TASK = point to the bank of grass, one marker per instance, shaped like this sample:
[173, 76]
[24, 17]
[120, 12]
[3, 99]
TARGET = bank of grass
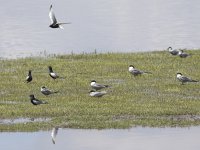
[156, 99]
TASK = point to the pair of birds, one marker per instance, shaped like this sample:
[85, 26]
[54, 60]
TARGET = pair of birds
[52, 74]
[44, 91]
[54, 22]
[179, 76]
[95, 87]
[178, 52]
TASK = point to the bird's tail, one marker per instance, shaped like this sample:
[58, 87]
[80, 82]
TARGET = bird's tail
[194, 81]
[60, 25]
[147, 72]
[55, 91]
[64, 23]
[44, 102]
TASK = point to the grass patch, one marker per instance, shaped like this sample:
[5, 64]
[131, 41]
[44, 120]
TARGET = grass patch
[156, 99]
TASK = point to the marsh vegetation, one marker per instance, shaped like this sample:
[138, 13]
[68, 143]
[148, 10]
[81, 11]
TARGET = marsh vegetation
[156, 99]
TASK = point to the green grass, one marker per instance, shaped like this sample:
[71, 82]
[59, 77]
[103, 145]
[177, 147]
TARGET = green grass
[156, 99]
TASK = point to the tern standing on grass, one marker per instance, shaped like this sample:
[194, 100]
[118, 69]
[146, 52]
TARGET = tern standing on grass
[97, 86]
[44, 90]
[29, 77]
[54, 23]
[52, 73]
[136, 72]
[35, 101]
[184, 79]
[173, 51]
[183, 54]
[97, 93]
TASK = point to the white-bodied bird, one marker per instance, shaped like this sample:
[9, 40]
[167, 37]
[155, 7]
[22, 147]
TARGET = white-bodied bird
[173, 51]
[54, 23]
[136, 72]
[44, 90]
[97, 86]
[97, 93]
[184, 79]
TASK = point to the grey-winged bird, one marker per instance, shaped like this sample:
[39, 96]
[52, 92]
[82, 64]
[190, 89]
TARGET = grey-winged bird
[54, 23]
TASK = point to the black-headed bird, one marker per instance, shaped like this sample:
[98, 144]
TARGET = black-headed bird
[29, 77]
[136, 72]
[54, 23]
[97, 86]
[184, 79]
[173, 51]
[52, 73]
[44, 90]
[35, 101]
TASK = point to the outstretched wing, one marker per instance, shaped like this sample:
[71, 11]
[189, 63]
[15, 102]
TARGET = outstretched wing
[53, 134]
[52, 16]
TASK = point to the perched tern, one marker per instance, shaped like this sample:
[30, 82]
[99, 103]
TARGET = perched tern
[29, 77]
[184, 79]
[35, 101]
[46, 91]
[97, 86]
[183, 54]
[136, 72]
[173, 51]
[97, 93]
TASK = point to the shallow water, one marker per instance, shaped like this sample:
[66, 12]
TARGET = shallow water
[107, 26]
[136, 138]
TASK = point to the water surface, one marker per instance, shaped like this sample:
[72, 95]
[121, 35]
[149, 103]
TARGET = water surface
[104, 25]
[135, 138]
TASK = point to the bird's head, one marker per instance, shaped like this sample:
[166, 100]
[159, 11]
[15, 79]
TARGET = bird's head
[92, 91]
[31, 96]
[169, 48]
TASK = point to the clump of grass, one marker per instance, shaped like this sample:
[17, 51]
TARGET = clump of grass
[156, 99]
